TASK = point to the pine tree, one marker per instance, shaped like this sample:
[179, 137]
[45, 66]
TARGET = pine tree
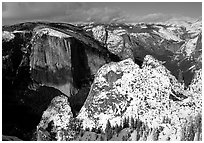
[101, 137]
[125, 123]
[136, 123]
[125, 138]
[124, 120]
[128, 121]
[120, 127]
[99, 130]
[132, 122]
[117, 129]
[108, 131]
[93, 130]
[139, 123]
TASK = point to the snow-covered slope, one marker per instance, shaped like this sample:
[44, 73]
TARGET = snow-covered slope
[151, 72]
[176, 42]
[150, 93]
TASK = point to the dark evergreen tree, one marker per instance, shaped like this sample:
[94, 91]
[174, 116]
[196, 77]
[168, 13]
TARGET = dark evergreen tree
[155, 134]
[117, 129]
[124, 120]
[81, 133]
[128, 122]
[87, 129]
[136, 123]
[93, 130]
[108, 131]
[101, 137]
[120, 127]
[139, 123]
[99, 130]
[50, 131]
[132, 122]
[125, 138]
[125, 123]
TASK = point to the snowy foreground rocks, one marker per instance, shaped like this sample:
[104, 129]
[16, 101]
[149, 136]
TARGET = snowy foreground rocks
[51, 68]
[55, 119]
[124, 89]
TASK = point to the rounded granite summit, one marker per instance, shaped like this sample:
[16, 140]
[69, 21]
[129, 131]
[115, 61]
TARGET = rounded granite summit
[142, 93]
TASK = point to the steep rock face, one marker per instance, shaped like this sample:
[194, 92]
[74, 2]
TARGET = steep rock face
[44, 60]
[65, 63]
[55, 119]
[50, 62]
[178, 45]
[195, 89]
[14, 114]
[124, 89]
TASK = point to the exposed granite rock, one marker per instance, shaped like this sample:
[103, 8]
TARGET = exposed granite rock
[114, 43]
[100, 34]
[7, 36]
[55, 62]
[42, 56]
[124, 89]
[55, 119]
[195, 89]
[178, 45]
[50, 61]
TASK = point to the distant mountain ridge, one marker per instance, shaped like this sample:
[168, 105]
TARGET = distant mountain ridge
[63, 76]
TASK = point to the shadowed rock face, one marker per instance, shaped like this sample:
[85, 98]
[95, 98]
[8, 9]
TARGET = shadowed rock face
[44, 63]
[41, 63]
[178, 46]
[50, 63]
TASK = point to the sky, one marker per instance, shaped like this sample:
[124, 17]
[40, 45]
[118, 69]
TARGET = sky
[102, 12]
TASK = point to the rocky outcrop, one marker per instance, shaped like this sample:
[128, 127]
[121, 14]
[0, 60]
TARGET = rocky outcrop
[149, 93]
[100, 34]
[149, 72]
[50, 62]
[178, 45]
[55, 119]
[195, 89]
[45, 60]
[7, 36]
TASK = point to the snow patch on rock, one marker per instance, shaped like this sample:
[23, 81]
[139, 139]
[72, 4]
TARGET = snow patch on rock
[190, 46]
[7, 36]
[137, 92]
[58, 112]
[167, 34]
[99, 33]
[114, 43]
[51, 32]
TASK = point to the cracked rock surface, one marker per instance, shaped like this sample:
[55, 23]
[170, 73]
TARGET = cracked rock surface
[124, 89]
[55, 118]
[66, 82]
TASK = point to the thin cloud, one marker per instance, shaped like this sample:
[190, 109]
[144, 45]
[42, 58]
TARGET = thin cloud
[31, 10]
[92, 14]
[155, 17]
[14, 12]
[68, 12]
[158, 17]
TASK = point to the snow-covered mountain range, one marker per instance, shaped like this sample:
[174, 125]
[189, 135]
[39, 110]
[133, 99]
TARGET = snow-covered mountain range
[75, 79]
